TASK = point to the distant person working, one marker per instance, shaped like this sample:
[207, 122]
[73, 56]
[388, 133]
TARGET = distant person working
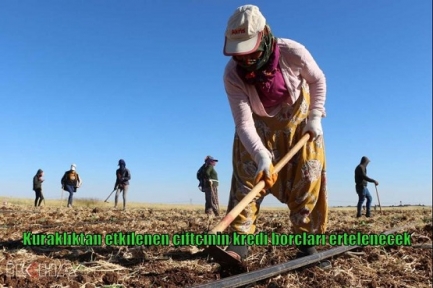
[361, 180]
[123, 175]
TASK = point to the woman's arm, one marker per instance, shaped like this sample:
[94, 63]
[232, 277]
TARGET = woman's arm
[242, 116]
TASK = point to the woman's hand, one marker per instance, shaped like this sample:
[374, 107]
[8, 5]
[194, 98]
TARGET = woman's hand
[314, 124]
[265, 170]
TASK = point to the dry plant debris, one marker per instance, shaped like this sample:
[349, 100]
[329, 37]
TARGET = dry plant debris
[170, 266]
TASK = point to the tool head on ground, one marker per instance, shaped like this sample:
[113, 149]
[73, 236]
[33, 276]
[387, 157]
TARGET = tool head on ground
[378, 200]
[217, 253]
[223, 257]
[106, 200]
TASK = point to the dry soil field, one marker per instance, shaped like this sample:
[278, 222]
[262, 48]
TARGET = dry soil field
[183, 266]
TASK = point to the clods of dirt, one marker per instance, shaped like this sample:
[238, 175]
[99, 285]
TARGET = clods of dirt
[110, 278]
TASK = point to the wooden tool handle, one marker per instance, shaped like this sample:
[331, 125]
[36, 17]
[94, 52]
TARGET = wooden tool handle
[225, 222]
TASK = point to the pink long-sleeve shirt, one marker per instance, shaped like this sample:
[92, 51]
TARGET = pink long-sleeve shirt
[296, 63]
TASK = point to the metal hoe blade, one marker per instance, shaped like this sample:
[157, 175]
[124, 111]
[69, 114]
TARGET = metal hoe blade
[261, 274]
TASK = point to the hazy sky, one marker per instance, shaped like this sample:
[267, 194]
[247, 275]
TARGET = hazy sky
[90, 82]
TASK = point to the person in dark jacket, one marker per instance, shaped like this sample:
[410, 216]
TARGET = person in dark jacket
[123, 175]
[210, 187]
[71, 181]
[37, 187]
[361, 180]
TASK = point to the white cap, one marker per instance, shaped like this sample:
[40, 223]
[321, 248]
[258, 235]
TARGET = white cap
[244, 31]
[73, 166]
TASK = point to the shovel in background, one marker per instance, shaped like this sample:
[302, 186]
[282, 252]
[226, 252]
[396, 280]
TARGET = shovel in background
[106, 200]
[220, 254]
[378, 200]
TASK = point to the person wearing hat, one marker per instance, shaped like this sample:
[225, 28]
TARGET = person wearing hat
[210, 187]
[37, 187]
[276, 93]
[71, 181]
[361, 180]
[122, 182]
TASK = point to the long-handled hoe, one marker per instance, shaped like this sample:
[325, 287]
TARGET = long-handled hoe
[377, 193]
[106, 200]
[215, 251]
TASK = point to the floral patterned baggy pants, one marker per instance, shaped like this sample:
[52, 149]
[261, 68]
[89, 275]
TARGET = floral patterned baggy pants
[301, 183]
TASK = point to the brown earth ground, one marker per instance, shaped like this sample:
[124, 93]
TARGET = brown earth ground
[183, 266]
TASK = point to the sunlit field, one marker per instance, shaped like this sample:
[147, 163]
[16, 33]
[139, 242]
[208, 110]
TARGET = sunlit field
[180, 266]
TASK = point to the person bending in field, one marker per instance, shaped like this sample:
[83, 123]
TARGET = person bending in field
[71, 181]
[276, 93]
[37, 187]
[361, 180]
